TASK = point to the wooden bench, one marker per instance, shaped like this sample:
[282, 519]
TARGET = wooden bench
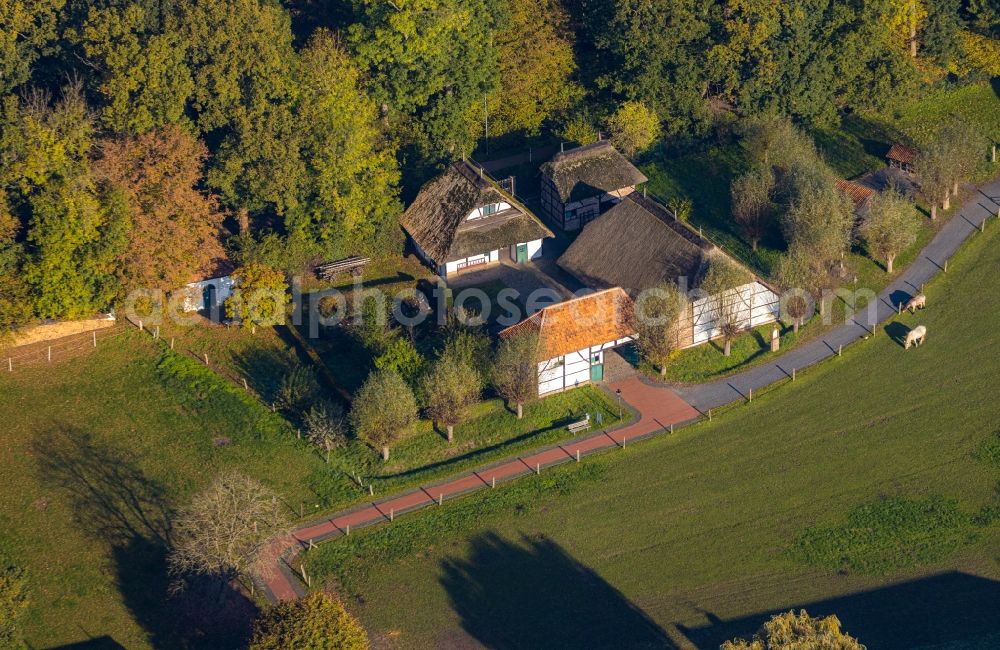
[352, 265]
[577, 427]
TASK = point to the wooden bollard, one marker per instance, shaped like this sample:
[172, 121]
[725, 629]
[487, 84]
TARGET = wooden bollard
[440, 498]
[140, 326]
[793, 374]
[50, 353]
[298, 434]
[671, 428]
[578, 454]
[392, 514]
[371, 490]
[348, 529]
[946, 266]
[156, 334]
[899, 309]
[750, 395]
[95, 338]
[10, 364]
[171, 343]
[245, 387]
[206, 358]
[311, 545]
[709, 415]
[538, 468]
[493, 481]
[840, 349]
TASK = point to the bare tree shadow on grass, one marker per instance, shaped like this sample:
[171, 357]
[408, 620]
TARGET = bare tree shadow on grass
[532, 594]
[113, 500]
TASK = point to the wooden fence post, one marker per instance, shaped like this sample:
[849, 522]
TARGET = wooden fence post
[95, 338]
[50, 353]
[10, 364]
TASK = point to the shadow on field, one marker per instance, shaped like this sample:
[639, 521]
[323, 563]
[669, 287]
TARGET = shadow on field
[114, 501]
[954, 610]
[532, 594]
[897, 332]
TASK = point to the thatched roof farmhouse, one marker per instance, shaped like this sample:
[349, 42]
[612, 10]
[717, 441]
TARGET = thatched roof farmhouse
[463, 219]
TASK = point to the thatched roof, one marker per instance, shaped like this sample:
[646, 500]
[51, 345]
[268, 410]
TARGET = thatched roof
[591, 170]
[436, 220]
[636, 245]
[577, 324]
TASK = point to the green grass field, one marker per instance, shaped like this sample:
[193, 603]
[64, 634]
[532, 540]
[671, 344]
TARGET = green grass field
[96, 452]
[868, 488]
[99, 450]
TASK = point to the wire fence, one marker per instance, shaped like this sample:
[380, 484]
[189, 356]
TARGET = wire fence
[40, 354]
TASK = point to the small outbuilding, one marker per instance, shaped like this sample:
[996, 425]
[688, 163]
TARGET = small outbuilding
[581, 184]
[464, 220]
[860, 195]
[573, 337]
[901, 157]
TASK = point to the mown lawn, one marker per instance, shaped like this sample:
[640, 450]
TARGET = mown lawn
[491, 433]
[96, 452]
[868, 488]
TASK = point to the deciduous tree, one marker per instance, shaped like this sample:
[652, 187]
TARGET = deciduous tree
[174, 235]
[891, 225]
[634, 128]
[384, 408]
[515, 370]
[325, 427]
[751, 200]
[536, 82]
[225, 531]
[791, 630]
[432, 62]
[659, 313]
[13, 603]
[260, 297]
[449, 389]
[316, 622]
[724, 282]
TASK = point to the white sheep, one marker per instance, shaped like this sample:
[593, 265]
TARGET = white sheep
[915, 337]
[915, 303]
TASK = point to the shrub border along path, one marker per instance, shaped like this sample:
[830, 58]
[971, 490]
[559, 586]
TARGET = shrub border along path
[658, 407]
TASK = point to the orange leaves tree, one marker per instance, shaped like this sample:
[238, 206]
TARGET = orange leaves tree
[174, 232]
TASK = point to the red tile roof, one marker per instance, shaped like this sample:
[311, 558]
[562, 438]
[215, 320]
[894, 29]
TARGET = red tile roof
[901, 154]
[856, 192]
[577, 324]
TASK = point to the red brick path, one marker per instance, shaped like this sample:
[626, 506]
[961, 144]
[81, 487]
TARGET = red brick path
[658, 409]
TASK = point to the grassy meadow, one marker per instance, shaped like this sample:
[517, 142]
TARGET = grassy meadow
[96, 453]
[868, 488]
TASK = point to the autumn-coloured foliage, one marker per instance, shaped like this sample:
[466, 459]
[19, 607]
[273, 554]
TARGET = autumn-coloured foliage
[174, 235]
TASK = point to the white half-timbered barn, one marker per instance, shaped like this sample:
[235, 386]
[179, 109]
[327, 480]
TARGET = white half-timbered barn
[639, 244]
[463, 220]
[574, 336]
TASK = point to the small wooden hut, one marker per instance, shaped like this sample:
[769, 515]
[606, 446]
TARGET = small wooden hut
[581, 184]
[901, 157]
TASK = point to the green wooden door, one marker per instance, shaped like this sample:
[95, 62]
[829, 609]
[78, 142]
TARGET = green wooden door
[597, 372]
[522, 253]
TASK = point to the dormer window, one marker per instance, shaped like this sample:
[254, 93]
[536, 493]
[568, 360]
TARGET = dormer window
[488, 210]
